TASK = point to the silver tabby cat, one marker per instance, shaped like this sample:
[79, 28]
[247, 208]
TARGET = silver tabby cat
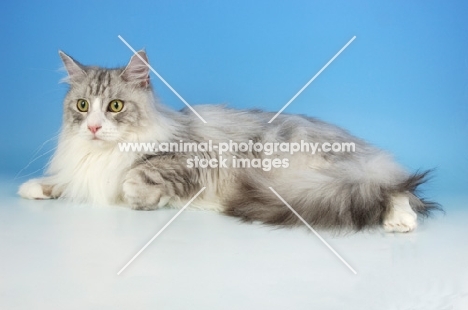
[332, 190]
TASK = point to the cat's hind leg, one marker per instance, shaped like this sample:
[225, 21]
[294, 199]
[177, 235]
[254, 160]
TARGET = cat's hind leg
[400, 216]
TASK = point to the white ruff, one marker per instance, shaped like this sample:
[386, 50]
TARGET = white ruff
[89, 172]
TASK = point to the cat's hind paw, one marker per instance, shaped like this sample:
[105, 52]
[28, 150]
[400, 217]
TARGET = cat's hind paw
[33, 189]
[401, 217]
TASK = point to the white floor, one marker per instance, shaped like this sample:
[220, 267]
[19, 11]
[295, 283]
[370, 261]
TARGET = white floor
[59, 256]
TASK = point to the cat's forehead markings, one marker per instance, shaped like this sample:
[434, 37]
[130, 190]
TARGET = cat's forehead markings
[99, 82]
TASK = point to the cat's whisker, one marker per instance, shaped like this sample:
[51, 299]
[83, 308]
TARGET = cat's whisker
[32, 173]
[44, 143]
[36, 158]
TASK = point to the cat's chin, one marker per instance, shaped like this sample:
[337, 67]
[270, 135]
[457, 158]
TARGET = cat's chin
[100, 142]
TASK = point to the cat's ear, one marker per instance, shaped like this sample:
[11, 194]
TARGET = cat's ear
[75, 70]
[137, 70]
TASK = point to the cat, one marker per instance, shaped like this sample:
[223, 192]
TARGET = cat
[330, 190]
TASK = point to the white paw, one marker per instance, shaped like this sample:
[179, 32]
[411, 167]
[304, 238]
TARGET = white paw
[32, 189]
[401, 217]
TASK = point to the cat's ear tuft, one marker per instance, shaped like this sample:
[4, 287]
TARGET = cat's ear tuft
[75, 70]
[137, 70]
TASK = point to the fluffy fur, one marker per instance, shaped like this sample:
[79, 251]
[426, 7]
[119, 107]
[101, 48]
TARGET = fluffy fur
[333, 190]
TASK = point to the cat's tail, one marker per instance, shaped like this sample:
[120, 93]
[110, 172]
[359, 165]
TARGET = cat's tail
[324, 200]
[419, 204]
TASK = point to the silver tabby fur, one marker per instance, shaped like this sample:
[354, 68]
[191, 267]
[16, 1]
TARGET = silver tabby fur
[333, 190]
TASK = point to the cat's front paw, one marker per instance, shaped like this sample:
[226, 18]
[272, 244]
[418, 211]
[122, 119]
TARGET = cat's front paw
[140, 191]
[33, 189]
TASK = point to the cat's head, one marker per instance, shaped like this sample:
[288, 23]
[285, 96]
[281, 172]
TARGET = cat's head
[108, 105]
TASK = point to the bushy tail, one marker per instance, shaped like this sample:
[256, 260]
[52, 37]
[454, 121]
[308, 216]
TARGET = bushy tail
[323, 200]
[420, 205]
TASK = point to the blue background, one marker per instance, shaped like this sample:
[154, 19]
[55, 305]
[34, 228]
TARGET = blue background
[402, 84]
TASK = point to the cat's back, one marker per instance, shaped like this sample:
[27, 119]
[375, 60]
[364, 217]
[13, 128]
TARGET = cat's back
[224, 123]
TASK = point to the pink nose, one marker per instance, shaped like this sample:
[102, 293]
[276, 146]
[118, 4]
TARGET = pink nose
[94, 129]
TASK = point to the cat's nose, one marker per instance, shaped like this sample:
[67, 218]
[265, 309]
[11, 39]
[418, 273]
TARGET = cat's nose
[94, 129]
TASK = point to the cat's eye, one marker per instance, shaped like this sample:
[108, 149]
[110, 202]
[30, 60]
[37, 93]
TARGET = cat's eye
[115, 106]
[82, 105]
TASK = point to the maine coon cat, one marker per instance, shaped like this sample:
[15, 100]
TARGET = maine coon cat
[104, 107]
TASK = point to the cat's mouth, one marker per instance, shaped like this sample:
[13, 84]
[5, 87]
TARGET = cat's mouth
[99, 139]
[96, 138]
[98, 142]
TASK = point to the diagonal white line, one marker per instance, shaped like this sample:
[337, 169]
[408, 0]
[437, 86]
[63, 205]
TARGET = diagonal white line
[311, 80]
[313, 230]
[162, 79]
[160, 231]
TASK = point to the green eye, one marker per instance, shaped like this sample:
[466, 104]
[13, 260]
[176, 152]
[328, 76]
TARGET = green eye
[82, 105]
[115, 106]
